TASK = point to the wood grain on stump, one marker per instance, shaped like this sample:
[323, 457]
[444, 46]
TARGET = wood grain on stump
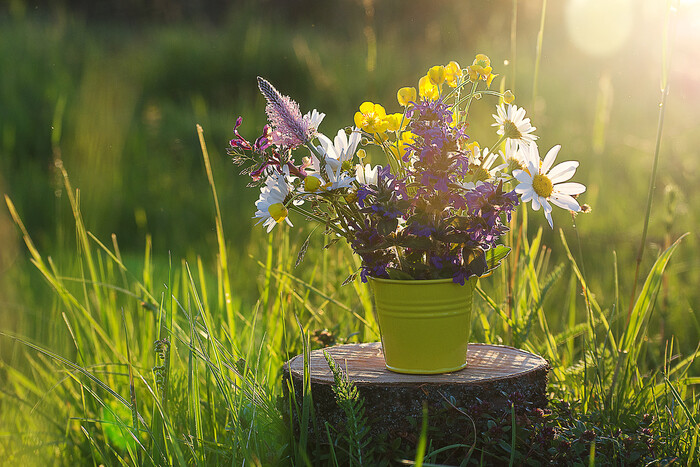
[496, 378]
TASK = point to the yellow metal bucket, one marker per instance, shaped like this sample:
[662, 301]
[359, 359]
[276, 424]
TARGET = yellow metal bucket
[424, 324]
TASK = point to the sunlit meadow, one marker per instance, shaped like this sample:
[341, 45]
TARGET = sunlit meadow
[145, 318]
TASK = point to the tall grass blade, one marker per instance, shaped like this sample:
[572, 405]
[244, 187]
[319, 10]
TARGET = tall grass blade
[221, 241]
[423, 439]
[647, 297]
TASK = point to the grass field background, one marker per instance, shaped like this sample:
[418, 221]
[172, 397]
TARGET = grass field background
[109, 108]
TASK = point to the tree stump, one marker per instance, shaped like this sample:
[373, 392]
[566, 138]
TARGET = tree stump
[497, 381]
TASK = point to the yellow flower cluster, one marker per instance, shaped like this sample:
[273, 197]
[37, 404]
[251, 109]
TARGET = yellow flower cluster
[430, 85]
[373, 119]
[481, 69]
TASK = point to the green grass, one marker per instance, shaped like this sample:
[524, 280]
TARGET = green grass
[164, 343]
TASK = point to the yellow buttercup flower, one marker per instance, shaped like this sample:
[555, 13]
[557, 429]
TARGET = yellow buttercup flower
[406, 95]
[508, 97]
[473, 149]
[371, 118]
[394, 122]
[437, 75]
[427, 89]
[481, 70]
[453, 74]
[406, 138]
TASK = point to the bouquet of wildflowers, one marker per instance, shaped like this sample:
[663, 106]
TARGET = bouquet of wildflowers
[437, 204]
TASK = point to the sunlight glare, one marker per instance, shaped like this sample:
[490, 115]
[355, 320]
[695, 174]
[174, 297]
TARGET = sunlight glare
[599, 27]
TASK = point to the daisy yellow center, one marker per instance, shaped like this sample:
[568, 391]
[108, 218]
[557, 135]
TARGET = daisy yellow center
[481, 174]
[514, 164]
[278, 212]
[511, 131]
[542, 185]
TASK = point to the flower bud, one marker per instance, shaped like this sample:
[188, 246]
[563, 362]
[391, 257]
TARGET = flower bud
[312, 184]
[437, 75]
[406, 95]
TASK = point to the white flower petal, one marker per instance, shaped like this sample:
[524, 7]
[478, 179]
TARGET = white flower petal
[570, 188]
[524, 187]
[527, 196]
[354, 140]
[535, 203]
[545, 204]
[548, 215]
[563, 172]
[341, 141]
[565, 202]
[549, 159]
[522, 176]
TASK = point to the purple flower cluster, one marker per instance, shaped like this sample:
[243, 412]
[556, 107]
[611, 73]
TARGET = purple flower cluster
[438, 161]
[487, 202]
[263, 156]
[441, 229]
[290, 128]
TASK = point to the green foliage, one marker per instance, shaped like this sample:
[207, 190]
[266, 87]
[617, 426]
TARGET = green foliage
[356, 430]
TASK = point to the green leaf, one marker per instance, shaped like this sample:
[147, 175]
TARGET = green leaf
[494, 256]
[647, 298]
[387, 226]
[398, 274]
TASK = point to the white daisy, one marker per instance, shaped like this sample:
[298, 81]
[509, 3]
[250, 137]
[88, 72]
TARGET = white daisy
[337, 155]
[342, 148]
[514, 153]
[271, 203]
[367, 175]
[485, 160]
[513, 125]
[314, 118]
[541, 183]
[332, 178]
[483, 168]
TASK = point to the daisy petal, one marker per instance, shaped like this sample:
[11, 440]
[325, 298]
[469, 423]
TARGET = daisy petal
[562, 172]
[527, 196]
[549, 159]
[524, 187]
[522, 176]
[571, 188]
[545, 204]
[565, 202]
[535, 203]
[548, 215]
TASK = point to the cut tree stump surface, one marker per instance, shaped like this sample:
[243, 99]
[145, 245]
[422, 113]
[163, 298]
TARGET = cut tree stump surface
[495, 378]
[364, 365]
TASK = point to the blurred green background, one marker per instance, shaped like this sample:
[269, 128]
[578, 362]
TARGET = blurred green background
[113, 91]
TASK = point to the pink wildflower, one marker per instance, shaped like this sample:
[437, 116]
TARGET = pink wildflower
[290, 128]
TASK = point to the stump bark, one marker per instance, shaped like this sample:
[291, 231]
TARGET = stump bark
[497, 381]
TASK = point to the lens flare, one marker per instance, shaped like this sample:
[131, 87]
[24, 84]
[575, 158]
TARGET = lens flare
[599, 27]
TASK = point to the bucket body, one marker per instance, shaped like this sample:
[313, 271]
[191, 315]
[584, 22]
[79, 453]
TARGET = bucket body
[424, 324]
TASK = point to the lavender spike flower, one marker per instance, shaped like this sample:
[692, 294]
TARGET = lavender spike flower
[290, 128]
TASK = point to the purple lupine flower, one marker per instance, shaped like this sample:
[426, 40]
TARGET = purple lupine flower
[290, 128]
[460, 276]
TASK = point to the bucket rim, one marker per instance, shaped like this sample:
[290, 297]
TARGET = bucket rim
[420, 281]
